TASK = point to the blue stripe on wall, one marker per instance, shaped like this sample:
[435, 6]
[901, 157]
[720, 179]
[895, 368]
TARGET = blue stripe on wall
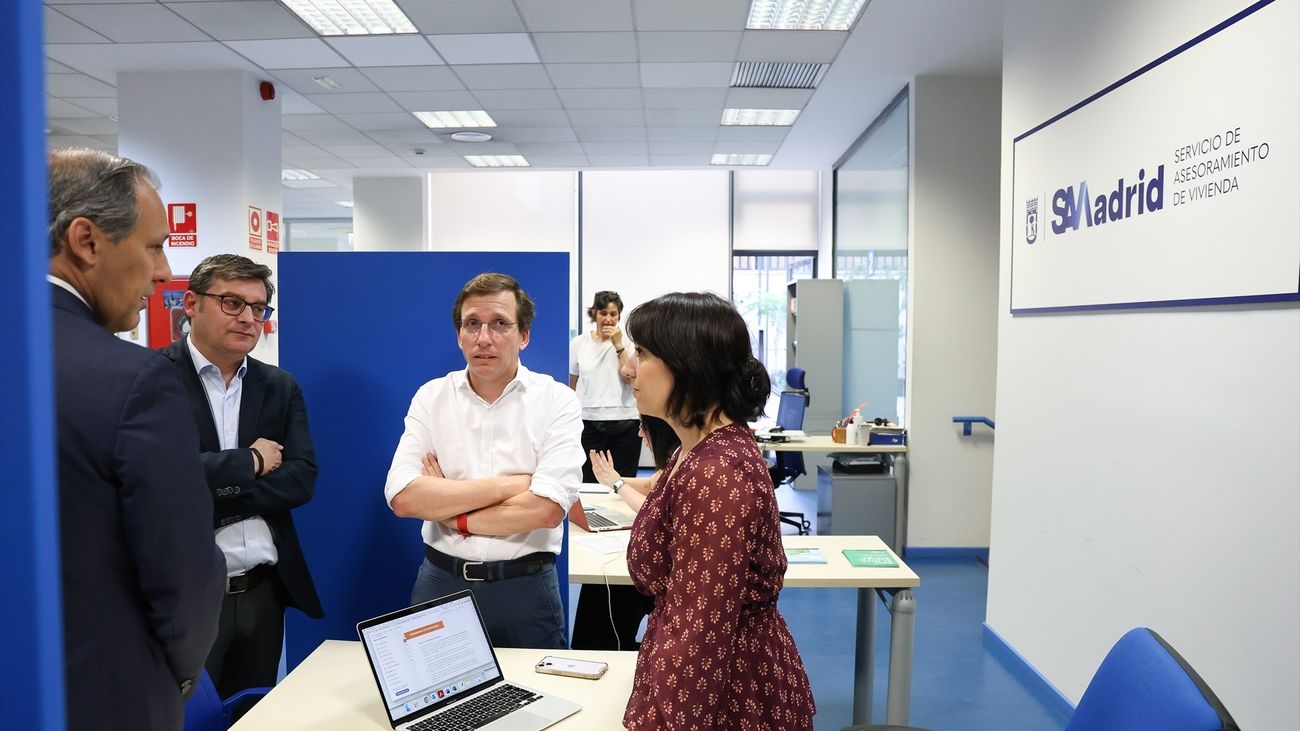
[31, 666]
[361, 332]
[1019, 666]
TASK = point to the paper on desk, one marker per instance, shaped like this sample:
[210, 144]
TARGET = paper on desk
[594, 488]
[612, 542]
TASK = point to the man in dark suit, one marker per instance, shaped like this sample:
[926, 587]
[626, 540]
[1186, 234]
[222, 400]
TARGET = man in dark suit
[259, 460]
[140, 574]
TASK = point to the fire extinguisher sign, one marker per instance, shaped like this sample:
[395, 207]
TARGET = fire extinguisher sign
[272, 232]
[255, 228]
[183, 224]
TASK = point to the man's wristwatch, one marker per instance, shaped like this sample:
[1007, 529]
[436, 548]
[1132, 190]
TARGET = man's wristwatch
[618, 485]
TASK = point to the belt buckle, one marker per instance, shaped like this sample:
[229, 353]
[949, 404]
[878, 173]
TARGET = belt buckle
[464, 570]
[241, 590]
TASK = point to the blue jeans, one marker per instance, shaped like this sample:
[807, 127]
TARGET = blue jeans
[521, 612]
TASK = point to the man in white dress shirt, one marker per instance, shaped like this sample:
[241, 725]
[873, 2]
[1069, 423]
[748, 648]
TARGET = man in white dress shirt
[490, 460]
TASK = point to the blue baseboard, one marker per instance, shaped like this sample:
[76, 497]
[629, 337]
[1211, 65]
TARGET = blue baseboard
[980, 552]
[1043, 688]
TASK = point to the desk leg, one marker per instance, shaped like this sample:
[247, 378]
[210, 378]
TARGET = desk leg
[862, 657]
[901, 633]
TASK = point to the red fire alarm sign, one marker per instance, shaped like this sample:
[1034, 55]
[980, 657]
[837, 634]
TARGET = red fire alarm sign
[272, 232]
[255, 228]
[182, 221]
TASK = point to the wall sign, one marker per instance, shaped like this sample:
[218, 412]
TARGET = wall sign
[272, 232]
[183, 224]
[255, 228]
[1174, 186]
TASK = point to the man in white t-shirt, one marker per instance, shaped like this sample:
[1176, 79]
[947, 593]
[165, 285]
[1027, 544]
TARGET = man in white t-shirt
[490, 460]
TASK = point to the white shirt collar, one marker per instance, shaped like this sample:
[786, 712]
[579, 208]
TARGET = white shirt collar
[200, 362]
[62, 284]
[519, 382]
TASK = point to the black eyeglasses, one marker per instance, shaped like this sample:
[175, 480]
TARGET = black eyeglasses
[234, 306]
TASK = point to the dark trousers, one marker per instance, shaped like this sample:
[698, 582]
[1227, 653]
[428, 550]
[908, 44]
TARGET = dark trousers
[619, 437]
[249, 638]
[521, 612]
[609, 621]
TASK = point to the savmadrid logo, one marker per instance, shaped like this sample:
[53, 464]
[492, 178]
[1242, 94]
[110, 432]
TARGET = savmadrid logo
[1031, 221]
[1074, 208]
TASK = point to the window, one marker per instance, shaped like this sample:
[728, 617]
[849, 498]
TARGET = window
[758, 290]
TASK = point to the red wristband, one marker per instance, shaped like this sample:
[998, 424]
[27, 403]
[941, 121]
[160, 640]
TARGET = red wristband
[462, 524]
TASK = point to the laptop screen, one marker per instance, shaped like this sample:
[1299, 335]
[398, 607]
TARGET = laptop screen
[430, 654]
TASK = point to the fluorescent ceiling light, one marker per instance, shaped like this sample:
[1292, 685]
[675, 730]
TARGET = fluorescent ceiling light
[298, 174]
[442, 120]
[497, 161]
[345, 204]
[325, 82]
[764, 117]
[803, 14]
[740, 159]
[352, 17]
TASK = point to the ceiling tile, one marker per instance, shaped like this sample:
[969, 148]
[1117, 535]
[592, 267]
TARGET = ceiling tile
[483, 148]
[752, 133]
[600, 98]
[463, 16]
[452, 162]
[681, 148]
[383, 121]
[576, 15]
[684, 98]
[104, 60]
[316, 163]
[745, 148]
[347, 151]
[243, 21]
[594, 75]
[408, 151]
[84, 126]
[558, 161]
[99, 105]
[610, 134]
[810, 46]
[347, 136]
[618, 161]
[768, 98]
[436, 101]
[607, 117]
[372, 163]
[59, 108]
[682, 117]
[615, 148]
[298, 123]
[518, 99]
[701, 46]
[686, 74]
[54, 67]
[550, 148]
[682, 134]
[536, 134]
[414, 78]
[291, 102]
[682, 160]
[485, 48]
[691, 14]
[586, 47]
[423, 135]
[134, 22]
[349, 81]
[400, 50]
[503, 76]
[364, 103]
[300, 151]
[532, 118]
[54, 142]
[60, 28]
[298, 53]
[64, 85]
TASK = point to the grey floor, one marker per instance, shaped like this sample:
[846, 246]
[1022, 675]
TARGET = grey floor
[958, 682]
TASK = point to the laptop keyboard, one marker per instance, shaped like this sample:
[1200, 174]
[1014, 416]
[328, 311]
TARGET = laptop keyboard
[596, 520]
[480, 711]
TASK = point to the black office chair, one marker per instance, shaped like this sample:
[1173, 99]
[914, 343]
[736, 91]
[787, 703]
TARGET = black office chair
[790, 465]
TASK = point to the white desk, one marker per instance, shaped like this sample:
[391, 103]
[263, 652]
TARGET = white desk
[892, 585]
[333, 690]
[823, 443]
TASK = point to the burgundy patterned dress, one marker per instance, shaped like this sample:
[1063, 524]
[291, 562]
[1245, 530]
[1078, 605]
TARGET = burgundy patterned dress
[707, 545]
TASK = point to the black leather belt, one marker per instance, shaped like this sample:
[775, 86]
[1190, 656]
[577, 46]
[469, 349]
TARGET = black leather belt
[489, 570]
[250, 579]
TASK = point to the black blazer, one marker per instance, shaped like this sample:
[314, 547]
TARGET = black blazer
[142, 576]
[271, 406]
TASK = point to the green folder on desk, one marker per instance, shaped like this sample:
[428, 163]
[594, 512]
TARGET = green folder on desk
[870, 558]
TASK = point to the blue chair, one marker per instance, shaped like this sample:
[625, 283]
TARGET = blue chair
[1143, 684]
[790, 465]
[205, 711]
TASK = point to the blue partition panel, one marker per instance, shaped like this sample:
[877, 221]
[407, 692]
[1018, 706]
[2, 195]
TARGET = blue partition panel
[361, 332]
[31, 663]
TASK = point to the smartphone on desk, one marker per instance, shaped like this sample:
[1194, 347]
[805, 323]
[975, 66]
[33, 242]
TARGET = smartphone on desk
[589, 669]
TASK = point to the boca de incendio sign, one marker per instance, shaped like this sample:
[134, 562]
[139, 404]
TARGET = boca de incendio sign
[1175, 185]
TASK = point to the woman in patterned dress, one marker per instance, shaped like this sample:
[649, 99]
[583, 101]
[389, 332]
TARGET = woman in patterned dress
[707, 542]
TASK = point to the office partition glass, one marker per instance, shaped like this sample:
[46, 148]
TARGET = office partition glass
[758, 290]
[871, 256]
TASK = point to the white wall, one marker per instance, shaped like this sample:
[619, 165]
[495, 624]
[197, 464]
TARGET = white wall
[647, 233]
[952, 307]
[388, 214]
[1147, 469]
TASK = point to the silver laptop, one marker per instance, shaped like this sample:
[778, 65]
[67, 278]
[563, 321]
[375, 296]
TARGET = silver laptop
[436, 669]
[598, 519]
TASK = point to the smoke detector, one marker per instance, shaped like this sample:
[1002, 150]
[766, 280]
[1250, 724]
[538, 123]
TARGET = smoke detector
[471, 136]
